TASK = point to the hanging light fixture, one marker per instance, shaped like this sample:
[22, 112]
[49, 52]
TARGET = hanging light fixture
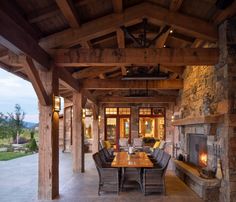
[56, 103]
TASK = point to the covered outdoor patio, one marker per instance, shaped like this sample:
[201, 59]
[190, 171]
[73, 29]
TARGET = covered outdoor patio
[20, 185]
[156, 71]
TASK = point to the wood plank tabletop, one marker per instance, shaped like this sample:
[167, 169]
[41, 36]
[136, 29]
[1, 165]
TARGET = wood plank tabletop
[137, 160]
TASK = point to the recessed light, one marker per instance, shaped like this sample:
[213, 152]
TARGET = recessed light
[164, 46]
[171, 31]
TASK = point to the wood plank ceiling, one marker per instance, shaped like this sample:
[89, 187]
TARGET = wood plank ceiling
[98, 44]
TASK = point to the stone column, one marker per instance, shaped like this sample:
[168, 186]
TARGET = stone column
[48, 172]
[77, 134]
[134, 122]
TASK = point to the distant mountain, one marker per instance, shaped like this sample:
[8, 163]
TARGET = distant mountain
[30, 125]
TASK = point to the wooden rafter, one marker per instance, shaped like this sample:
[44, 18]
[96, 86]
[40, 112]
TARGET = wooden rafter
[160, 42]
[92, 72]
[178, 70]
[121, 44]
[159, 99]
[22, 42]
[98, 84]
[117, 6]
[107, 24]
[67, 80]
[175, 5]
[128, 56]
[34, 77]
[69, 12]
[226, 13]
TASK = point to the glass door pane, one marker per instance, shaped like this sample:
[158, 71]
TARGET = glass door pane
[111, 130]
[124, 127]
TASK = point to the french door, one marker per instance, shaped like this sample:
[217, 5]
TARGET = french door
[116, 128]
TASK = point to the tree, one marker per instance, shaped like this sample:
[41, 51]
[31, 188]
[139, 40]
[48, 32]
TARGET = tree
[16, 122]
[4, 127]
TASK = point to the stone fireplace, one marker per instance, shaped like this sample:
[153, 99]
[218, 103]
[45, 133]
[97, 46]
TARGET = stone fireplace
[197, 147]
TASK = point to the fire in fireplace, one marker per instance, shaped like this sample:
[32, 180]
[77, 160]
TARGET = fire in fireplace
[203, 159]
[198, 149]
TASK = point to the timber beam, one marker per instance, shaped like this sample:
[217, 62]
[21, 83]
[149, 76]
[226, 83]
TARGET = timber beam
[22, 42]
[34, 77]
[109, 84]
[108, 24]
[136, 56]
[159, 99]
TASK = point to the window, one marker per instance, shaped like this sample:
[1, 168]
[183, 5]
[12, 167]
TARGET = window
[111, 111]
[145, 111]
[124, 111]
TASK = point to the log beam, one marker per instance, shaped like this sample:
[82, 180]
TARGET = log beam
[48, 172]
[159, 99]
[117, 6]
[107, 24]
[33, 76]
[92, 72]
[109, 84]
[175, 5]
[69, 12]
[139, 56]
[22, 42]
[77, 134]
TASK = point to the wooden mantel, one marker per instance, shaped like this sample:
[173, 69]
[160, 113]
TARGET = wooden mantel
[218, 118]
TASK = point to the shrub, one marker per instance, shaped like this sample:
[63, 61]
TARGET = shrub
[32, 145]
[21, 140]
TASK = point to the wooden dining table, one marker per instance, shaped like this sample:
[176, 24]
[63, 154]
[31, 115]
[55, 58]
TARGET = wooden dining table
[136, 160]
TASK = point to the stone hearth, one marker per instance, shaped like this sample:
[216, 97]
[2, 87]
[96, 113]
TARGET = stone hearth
[207, 189]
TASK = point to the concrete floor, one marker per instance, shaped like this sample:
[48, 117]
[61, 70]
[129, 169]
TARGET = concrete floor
[18, 183]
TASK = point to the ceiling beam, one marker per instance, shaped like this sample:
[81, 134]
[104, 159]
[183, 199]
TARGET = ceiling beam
[117, 6]
[99, 84]
[67, 80]
[133, 15]
[116, 99]
[190, 25]
[34, 77]
[136, 56]
[224, 14]
[160, 42]
[68, 10]
[121, 44]
[178, 69]
[175, 5]
[92, 72]
[14, 37]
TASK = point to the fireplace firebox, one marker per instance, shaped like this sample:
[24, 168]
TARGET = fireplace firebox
[198, 150]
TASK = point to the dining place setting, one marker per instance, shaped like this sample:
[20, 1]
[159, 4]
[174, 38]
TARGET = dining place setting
[126, 168]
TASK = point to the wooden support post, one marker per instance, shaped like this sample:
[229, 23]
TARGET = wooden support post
[48, 173]
[77, 134]
[95, 134]
[95, 128]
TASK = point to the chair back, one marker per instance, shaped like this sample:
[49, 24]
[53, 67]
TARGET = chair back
[101, 144]
[159, 155]
[165, 160]
[137, 142]
[106, 153]
[97, 160]
[155, 153]
[123, 142]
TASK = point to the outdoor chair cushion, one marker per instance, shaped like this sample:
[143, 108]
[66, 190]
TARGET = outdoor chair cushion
[138, 142]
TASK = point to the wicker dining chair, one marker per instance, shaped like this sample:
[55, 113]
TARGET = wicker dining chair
[153, 179]
[109, 178]
[108, 157]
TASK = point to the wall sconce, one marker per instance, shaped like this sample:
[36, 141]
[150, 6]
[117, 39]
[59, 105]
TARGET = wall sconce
[99, 119]
[84, 114]
[172, 118]
[56, 103]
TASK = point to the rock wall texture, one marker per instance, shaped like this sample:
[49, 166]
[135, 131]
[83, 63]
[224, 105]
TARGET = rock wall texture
[209, 91]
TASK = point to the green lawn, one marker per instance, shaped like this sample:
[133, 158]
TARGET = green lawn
[5, 156]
